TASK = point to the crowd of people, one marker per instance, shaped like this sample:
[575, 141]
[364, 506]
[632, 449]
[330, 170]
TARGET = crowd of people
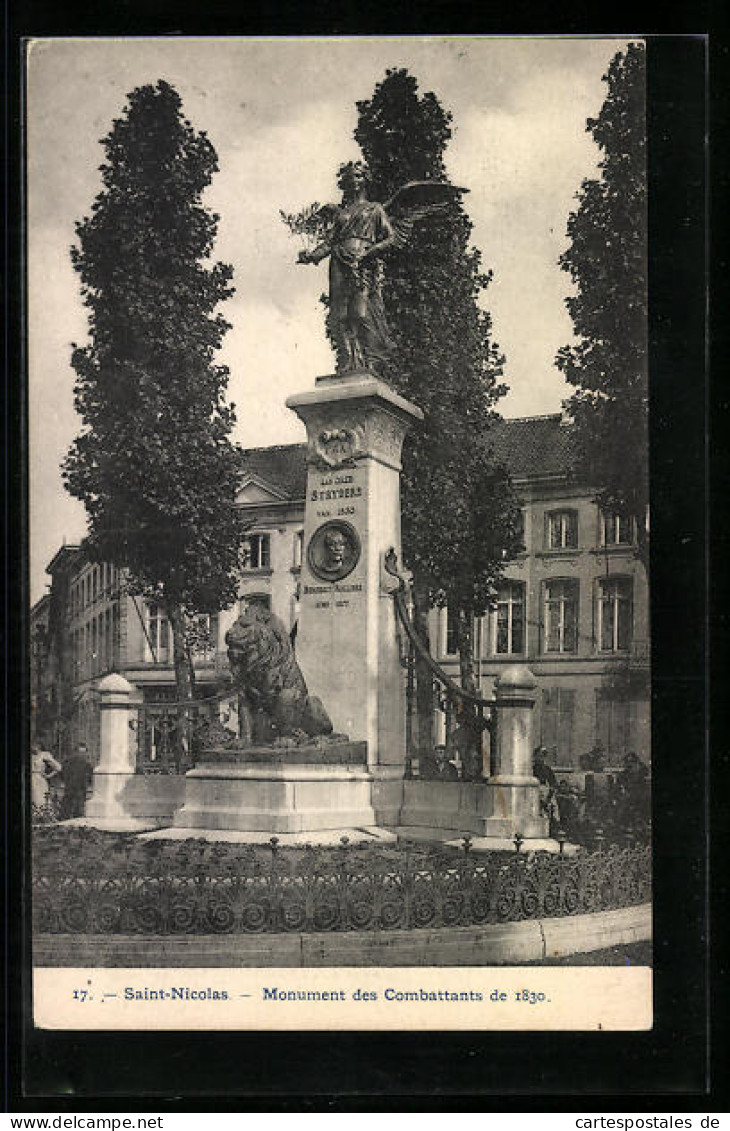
[58, 789]
[596, 801]
[612, 803]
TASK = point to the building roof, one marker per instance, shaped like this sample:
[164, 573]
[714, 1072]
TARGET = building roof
[284, 467]
[536, 446]
[530, 446]
[63, 557]
[41, 606]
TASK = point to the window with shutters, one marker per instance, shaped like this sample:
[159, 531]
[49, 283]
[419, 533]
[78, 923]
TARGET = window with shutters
[613, 724]
[556, 722]
[509, 619]
[158, 635]
[616, 529]
[562, 530]
[614, 620]
[258, 552]
[452, 633]
[560, 615]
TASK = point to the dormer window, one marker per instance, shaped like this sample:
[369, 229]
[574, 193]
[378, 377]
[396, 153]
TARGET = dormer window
[562, 530]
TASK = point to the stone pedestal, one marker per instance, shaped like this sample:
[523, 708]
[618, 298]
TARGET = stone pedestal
[298, 790]
[347, 641]
[509, 801]
[116, 767]
[121, 798]
[514, 792]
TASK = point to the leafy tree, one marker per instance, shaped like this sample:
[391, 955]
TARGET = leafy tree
[460, 516]
[606, 260]
[154, 464]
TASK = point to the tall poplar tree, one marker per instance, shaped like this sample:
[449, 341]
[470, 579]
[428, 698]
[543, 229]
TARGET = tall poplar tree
[607, 262]
[154, 464]
[460, 516]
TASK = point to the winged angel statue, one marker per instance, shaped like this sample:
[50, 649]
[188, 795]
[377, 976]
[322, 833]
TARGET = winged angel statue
[354, 235]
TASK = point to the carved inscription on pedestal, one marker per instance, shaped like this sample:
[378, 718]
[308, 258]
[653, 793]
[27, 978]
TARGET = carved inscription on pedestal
[336, 496]
[334, 549]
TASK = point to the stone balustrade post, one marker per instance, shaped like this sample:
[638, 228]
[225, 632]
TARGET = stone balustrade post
[513, 790]
[515, 695]
[118, 750]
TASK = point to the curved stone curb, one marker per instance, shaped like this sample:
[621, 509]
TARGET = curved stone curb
[495, 944]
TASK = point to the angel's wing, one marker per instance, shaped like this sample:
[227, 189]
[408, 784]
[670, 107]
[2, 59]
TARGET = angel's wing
[416, 200]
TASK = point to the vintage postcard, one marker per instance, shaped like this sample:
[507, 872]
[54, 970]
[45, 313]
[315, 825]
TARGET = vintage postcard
[340, 634]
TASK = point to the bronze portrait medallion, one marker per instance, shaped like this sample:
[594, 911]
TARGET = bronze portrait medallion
[333, 551]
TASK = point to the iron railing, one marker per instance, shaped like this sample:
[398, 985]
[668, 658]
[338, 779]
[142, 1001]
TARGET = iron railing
[171, 734]
[467, 717]
[91, 882]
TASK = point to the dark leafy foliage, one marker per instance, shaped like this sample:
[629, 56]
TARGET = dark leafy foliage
[606, 260]
[154, 464]
[460, 515]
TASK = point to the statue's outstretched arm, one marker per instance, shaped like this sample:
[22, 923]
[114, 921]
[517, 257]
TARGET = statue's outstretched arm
[317, 255]
[322, 219]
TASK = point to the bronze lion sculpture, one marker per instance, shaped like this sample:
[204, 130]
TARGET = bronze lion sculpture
[266, 674]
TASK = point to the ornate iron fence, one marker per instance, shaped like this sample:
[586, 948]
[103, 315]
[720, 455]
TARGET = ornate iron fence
[466, 717]
[97, 883]
[170, 734]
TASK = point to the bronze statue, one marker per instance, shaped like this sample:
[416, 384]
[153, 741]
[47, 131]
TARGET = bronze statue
[357, 232]
[267, 676]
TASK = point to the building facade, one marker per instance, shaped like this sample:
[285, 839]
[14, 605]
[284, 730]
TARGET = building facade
[96, 627]
[42, 675]
[573, 606]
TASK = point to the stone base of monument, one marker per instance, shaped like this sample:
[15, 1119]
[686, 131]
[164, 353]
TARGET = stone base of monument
[302, 789]
[496, 808]
[127, 802]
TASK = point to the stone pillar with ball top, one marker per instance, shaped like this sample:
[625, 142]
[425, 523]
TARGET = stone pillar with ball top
[116, 769]
[513, 790]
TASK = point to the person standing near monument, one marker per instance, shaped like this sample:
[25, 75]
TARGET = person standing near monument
[548, 785]
[43, 766]
[465, 742]
[77, 777]
[446, 770]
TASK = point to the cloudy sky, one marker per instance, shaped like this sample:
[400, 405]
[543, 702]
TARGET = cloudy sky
[280, 114]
